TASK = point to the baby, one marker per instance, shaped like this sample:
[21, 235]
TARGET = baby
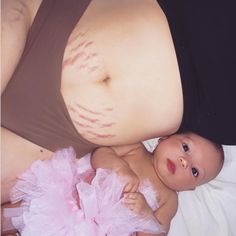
[179, 162]
[128, 190]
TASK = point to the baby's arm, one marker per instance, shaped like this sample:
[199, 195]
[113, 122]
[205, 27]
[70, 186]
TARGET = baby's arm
[111, 158]
[137, 203]
[164, 214]
[167, 210]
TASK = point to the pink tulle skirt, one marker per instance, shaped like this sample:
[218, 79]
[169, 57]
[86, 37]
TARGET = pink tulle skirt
[66, 197]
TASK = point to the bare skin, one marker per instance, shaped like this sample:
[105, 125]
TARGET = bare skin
[180, 162]
[125, 161]
[105, 77]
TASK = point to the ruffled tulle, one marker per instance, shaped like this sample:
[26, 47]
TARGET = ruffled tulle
[65, 197]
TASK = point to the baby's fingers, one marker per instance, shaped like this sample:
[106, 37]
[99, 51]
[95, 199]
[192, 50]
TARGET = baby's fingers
[130, 196]
[129, 201]
[129, 188]
[134, 188]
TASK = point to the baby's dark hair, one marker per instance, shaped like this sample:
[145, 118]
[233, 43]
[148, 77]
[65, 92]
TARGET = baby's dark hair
[220, 149]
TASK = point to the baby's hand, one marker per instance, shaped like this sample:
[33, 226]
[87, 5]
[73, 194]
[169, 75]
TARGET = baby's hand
[132, 180]
[137, 203]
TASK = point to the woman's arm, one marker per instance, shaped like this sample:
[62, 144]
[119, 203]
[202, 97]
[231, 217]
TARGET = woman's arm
[16, 21]
[6, 226]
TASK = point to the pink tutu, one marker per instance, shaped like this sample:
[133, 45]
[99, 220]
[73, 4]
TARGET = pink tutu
[59, 199]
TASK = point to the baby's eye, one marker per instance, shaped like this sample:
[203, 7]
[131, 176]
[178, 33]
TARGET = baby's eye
[185, 147]
[195, 172]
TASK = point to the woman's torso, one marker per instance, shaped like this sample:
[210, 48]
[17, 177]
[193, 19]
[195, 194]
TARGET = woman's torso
[112, 94]
[120, 78]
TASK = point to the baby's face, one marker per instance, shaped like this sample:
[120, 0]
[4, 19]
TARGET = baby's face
[187, 160]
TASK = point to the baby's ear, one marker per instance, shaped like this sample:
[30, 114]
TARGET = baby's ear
[162, 139]
[192, 189]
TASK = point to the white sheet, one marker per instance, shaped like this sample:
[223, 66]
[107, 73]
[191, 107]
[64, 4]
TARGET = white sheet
[211, 208]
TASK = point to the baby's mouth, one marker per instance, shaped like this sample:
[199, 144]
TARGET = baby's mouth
[171, 166]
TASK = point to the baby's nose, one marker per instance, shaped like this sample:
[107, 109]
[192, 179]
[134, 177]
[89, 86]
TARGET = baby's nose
[184, 162]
